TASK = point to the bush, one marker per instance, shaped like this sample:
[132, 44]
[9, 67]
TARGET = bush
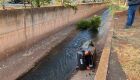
[83, 25]
[95, 23]
[70, 4]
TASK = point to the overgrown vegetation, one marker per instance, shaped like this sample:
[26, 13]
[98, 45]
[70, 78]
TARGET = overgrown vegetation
[93, 24]
[39, 3]
[33, 3]
[42, 3]
[114, 8]
[70, 4]
[117, 5]
[2, 4]
[83, 24]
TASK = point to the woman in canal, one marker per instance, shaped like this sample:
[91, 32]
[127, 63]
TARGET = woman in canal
[88, 60]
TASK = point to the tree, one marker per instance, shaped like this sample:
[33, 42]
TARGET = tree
[39, 3]
[34, 3]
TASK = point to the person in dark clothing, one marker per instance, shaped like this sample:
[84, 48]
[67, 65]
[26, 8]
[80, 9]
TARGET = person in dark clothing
[88, 59]
[133, 5]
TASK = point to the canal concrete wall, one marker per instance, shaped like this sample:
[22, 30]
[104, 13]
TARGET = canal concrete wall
[101, 73]
[23, 27]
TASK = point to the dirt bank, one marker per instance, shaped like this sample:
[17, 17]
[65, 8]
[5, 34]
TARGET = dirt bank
[126, 46]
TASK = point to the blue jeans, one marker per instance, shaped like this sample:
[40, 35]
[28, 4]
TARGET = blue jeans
[131, 15]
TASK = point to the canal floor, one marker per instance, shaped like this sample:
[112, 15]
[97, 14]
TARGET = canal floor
[100, 40]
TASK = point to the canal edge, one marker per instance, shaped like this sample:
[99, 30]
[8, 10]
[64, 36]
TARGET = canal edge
[102, 69]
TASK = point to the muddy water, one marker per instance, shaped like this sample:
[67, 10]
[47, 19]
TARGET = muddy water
[62, 59]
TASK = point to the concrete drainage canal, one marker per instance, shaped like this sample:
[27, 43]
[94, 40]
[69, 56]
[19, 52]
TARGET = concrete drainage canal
[62, 61]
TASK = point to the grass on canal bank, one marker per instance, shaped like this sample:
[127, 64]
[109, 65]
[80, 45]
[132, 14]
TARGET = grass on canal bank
[126, 43]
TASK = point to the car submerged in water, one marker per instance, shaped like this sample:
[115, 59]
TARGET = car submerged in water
[86, 56]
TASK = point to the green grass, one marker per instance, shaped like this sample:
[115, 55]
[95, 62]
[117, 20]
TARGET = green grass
[114, 8]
